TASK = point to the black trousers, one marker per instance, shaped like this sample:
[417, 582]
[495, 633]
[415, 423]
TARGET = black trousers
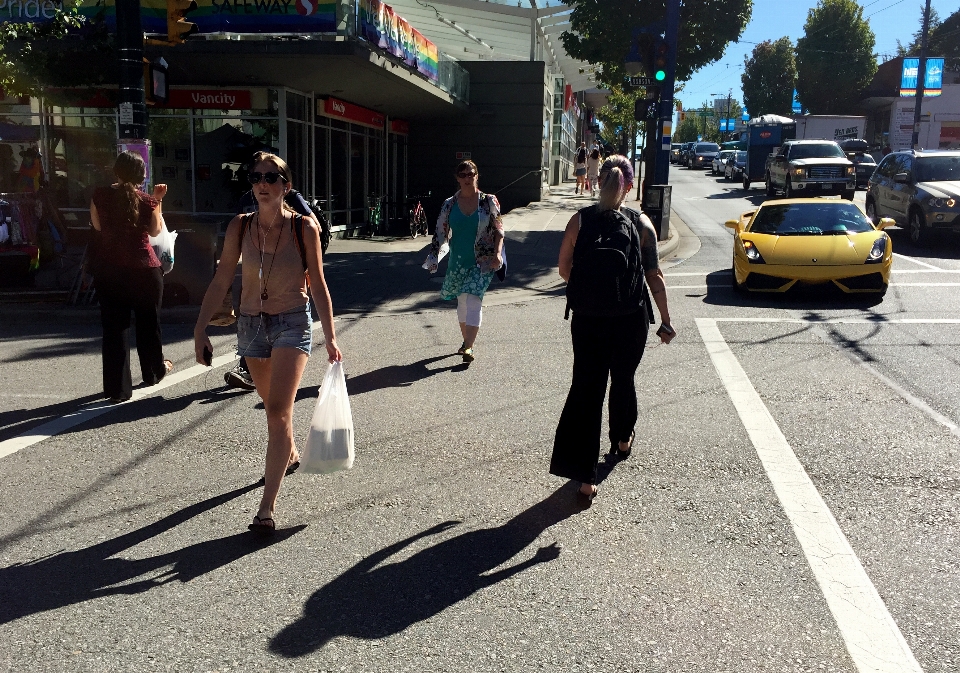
[602, 347]
[122, 291]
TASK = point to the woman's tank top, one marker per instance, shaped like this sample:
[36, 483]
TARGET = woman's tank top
[282, 278]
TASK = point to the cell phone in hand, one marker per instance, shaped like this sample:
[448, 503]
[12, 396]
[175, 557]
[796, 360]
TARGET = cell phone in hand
[207, 356]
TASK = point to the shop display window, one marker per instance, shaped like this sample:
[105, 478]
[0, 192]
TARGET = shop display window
[170, 138]
[320, 171]
[82, 150]
[339, 174]
[20, 153]
[222, 150]
[298, 155]
[358, 193]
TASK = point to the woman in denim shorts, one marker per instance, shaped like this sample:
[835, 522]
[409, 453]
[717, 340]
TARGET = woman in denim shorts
[274, 327]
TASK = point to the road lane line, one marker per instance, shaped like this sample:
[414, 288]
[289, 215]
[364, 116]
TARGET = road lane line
[92, 410]
[717, 285]
[872, 637]
[917, 261]
[852, 321]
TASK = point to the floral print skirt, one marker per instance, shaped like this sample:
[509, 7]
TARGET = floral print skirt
[462, 279]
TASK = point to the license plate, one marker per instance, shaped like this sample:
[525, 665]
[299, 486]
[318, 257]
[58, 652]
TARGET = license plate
[826, 185]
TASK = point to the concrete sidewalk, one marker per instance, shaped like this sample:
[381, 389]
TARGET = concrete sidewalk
[384, 276]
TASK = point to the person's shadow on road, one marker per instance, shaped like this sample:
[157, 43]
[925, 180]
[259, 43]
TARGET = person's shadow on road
[377, 598]
[68, 578]
[398, 376]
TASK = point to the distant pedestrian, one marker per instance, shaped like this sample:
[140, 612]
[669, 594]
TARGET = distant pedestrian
[127, 276]
[606, 254]
[471, 230]
[281, 249]
[580, 168]
[593, 171]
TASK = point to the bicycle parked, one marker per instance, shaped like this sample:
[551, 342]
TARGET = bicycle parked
[418, 217]
[375, 210]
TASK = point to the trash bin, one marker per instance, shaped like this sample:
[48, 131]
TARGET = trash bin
[656, 205]
[194, 264]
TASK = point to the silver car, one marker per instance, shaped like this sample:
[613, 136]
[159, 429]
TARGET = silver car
[720, 161]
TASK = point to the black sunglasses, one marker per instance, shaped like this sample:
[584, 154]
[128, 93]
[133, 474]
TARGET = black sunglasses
[256, 176]
[466, 175]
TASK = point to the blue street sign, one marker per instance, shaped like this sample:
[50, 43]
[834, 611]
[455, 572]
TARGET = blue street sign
[932, 77]
[746, 116]
[796, 107]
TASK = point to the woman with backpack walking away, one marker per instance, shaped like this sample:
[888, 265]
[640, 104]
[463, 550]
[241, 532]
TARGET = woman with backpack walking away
[281, 249]
[128, 277]
[606, 275]
[471, 230]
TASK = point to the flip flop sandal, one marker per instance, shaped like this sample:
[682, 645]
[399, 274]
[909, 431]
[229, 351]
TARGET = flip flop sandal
[623, 455]
[468, 355]
[463, 347]
[292, 467]
[261, 527]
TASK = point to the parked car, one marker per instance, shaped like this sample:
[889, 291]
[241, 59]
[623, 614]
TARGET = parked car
[675, 152]
[720, 161]
[920, 190]
[735, 165]
[810, 168]
[700, 155]
[790, 242]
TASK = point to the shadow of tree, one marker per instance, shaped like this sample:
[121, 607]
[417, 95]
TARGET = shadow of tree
[376, 598]
[68, 578]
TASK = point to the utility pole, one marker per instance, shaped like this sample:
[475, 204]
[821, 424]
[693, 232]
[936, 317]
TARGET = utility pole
[921, 76]
[131, 107]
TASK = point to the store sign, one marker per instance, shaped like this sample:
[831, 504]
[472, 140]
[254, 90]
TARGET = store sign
[382, 26]
[400, 127]
[932, 77]
[338, 109]
[211, 16]
[210, 99]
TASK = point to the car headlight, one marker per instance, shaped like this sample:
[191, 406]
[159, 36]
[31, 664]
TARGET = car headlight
[878, 250]
[750, 250]
[798, 172]
[851, 170]
[942, 203]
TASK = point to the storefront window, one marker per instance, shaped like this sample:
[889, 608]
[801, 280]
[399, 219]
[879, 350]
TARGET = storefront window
[82, 153]
[171, 160]
[358, 155]
[19, 147]
[223, 148]
[339, 175]
[320, 166]
[298, 154]
[373, 166]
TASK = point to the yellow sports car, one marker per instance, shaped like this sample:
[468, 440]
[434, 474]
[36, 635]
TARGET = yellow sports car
[810, 241]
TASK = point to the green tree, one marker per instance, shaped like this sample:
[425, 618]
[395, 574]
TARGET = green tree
[602, 30]
[943, 39]
[688, 130]
[835, 60]
[769, 77]
[68, 50]
[616, 117]
[913, 48]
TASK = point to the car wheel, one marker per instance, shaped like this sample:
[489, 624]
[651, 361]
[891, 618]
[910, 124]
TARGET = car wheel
[848, 195]
[788, 190]
[919, 234]
[769, 185]
[872, 211]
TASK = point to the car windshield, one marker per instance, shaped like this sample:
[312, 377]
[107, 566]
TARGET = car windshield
[862, 159]
[937, 169]
[816, 151]
[741, 156]
[810, 219]
[708, 147]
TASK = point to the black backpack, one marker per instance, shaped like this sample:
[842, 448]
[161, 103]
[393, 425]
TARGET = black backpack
[607, 275]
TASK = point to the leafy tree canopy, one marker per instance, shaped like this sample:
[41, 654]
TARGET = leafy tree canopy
[687, 130]
[616, 117]
[602, 31]
[835, 60]
[59, 52]
[769, 77]
[943, 39]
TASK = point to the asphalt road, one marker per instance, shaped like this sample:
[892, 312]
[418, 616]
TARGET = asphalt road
[791, 505]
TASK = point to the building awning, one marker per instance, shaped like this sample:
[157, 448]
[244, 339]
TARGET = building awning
[500, 30]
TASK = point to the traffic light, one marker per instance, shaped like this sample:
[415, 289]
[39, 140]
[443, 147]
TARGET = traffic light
[177, 27]
[661, 50]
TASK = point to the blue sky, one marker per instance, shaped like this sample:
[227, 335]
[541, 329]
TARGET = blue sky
[772, 19]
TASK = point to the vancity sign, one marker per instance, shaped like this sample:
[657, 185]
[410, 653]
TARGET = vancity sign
[210, 99]
[339, 109]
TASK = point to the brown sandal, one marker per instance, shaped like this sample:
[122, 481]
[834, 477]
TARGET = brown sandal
[261, 527]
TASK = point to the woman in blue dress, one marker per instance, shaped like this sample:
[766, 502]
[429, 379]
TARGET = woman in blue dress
[471, 231]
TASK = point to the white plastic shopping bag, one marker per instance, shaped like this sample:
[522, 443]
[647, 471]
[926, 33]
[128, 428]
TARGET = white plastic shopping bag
[330, 443]
[163, 247]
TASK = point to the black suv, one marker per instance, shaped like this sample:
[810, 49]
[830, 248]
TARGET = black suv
[918, 189]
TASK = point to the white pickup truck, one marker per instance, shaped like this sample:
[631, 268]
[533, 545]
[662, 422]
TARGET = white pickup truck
[802, 168]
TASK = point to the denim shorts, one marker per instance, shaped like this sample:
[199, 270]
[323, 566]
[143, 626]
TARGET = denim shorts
[259, 334]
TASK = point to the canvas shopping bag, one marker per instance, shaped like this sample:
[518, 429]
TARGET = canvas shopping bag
[330, 443]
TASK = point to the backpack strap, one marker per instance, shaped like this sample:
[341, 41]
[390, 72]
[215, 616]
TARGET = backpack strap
[245, 220]
[298, 238]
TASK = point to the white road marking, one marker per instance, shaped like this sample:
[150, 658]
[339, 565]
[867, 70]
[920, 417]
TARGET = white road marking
[917, 261]
[872, 637]
[91, 411]
[701, 287]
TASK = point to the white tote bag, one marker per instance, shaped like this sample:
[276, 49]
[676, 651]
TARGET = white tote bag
[330, 443]
[163, 247]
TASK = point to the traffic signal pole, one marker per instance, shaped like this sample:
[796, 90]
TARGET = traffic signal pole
[131, 106]
[921, 79]
[665, 130]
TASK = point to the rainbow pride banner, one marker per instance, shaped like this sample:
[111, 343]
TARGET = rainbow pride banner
[382, 26]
